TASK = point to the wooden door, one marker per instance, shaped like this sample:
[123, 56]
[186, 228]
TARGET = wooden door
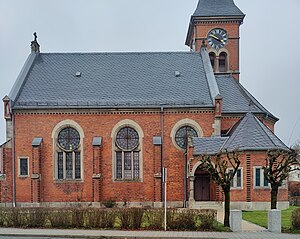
[202, 187]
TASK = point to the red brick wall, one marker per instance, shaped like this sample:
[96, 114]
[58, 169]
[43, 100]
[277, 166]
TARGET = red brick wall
[232, 29]
[6, 184]
[256, 195]
[30, 126]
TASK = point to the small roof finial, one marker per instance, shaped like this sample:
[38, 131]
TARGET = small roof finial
[35, 46]
[203, 44]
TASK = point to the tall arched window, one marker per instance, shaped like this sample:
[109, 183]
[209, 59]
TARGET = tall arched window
[212, 57]
[68, 151]
[68, 154]
[223, 62]
[127, 154]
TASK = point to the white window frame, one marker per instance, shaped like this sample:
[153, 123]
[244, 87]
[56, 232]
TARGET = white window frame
[262, 178]
[19, 167]
[235, 179]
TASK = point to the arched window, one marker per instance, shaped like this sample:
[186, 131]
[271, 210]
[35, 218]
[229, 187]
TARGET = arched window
[182, 135]
[127, 154]
[212, 57]
[68, 154]
[223, 62]
[183, 130]
[68, 151]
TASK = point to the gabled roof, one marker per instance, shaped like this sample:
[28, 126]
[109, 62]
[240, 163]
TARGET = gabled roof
[114, 80]
[249, 134]
[217, 8]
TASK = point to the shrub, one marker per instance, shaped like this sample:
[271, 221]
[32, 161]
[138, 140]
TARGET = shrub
[110, 203]
[136, 217]
[296, 218]
[154, 219]
[207, 221]
[181, 220]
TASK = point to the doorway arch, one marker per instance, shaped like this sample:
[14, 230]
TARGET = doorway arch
[202, 186]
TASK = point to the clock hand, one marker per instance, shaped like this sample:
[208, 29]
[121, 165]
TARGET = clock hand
[217, 38]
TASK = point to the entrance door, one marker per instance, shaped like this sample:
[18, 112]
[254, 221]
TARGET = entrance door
[202, 187]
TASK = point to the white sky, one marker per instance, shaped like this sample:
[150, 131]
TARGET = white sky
[270, 37]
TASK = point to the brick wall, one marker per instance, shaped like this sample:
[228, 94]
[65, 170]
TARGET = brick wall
[30, 126]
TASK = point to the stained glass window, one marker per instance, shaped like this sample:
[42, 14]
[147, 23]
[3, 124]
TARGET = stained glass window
[127, 156]
[69, 166]
[77, 165]
[119, 164]
[127, 138]
[182, 135]
[69, 154]
[69, 138]
[60, 162]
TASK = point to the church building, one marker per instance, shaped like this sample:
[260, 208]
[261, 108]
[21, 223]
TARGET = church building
[85, 128]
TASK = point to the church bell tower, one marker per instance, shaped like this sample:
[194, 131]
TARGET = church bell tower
[217, 23]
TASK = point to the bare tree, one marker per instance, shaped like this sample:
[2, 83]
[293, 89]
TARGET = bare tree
[218, 166]
[279, 163]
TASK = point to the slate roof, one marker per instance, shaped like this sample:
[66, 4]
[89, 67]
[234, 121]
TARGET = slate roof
[236, 98]
[217, 8]
[209, 145]
[251, 134]
[127, 80]
[115, 80]
[248, 134]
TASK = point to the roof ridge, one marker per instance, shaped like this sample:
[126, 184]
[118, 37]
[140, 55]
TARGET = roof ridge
[119, 53]
[209, 74]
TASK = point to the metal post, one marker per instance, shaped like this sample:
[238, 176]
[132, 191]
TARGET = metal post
[165, 195]
[185, 176]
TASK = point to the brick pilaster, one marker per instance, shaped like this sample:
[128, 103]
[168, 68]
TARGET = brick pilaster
[36, 175]
[96, 179]
[248, 177]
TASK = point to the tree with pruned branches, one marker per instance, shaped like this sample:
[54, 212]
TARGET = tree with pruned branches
[279, 163]
[218, 166]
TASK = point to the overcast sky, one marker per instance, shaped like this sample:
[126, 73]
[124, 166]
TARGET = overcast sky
[270, 41]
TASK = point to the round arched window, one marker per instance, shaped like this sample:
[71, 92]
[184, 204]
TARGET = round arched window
[182, 135]
[68, 138]
[127, 138]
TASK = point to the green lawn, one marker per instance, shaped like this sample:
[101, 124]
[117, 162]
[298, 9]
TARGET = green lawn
[261, 218]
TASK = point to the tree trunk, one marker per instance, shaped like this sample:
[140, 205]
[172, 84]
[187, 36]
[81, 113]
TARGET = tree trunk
[227, 207]
[274, 193]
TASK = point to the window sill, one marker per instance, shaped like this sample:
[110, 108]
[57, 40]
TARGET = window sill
[128, 180]
[23, 176]
[262, 188]
[68, 181]
[236, 188]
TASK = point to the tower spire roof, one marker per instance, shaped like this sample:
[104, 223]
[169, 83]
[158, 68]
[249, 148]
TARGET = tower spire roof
[217, 8]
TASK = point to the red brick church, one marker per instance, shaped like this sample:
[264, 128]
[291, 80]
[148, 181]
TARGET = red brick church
[84, 128]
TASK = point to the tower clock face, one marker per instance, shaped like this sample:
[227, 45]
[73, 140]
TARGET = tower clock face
[217, 38]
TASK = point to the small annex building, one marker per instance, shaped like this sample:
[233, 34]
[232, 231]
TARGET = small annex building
[84, 128]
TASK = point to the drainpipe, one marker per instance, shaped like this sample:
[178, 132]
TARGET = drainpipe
[162, 151]
[185, 173]
[13, 155]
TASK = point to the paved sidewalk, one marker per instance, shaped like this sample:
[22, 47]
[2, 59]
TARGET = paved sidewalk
[31, 233]
[246, 226]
